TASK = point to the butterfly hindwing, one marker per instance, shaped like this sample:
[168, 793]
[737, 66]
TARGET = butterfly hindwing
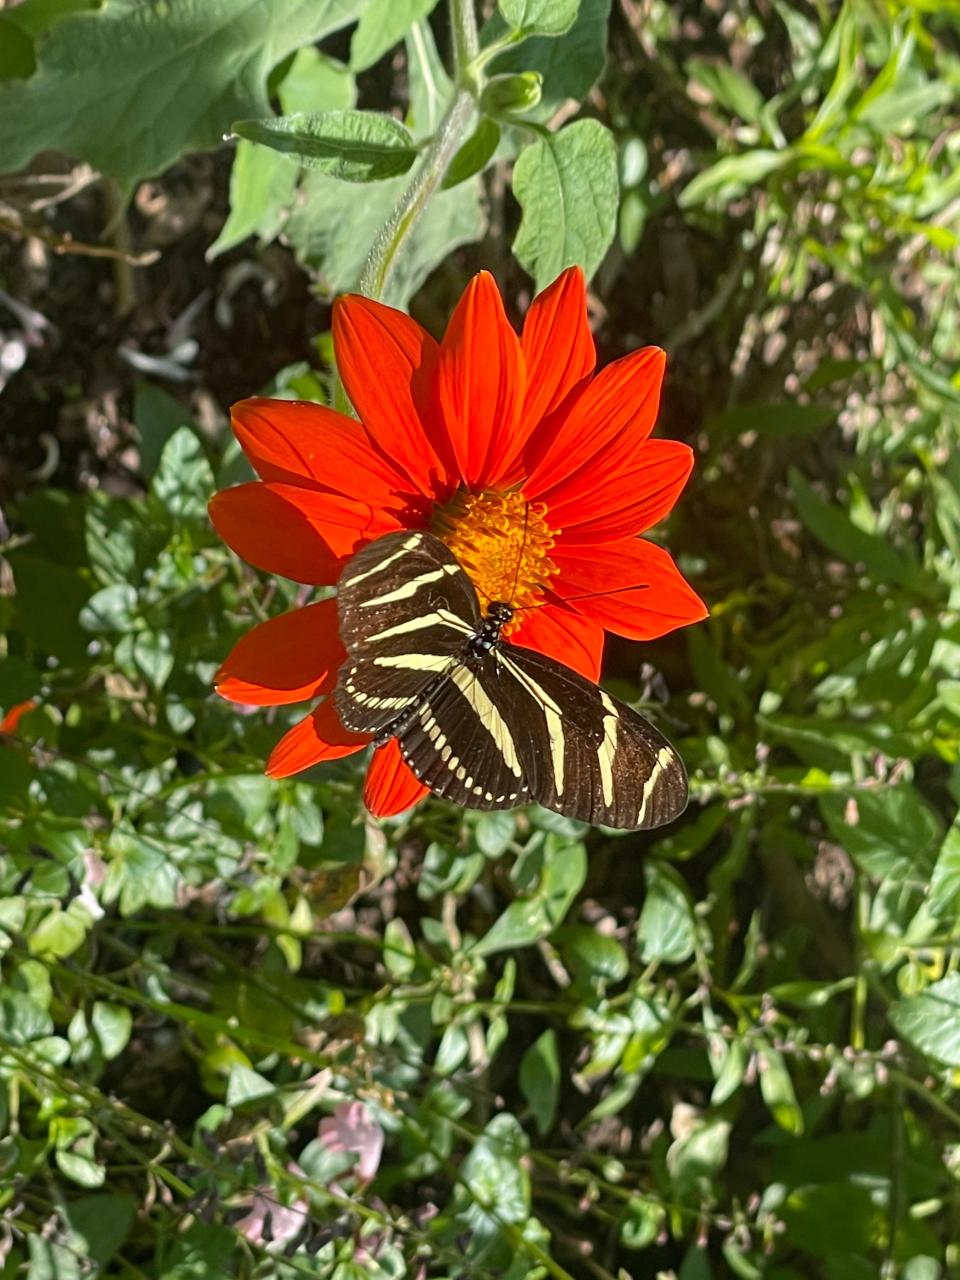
[587, 755]
[406, 610]
[461, 743]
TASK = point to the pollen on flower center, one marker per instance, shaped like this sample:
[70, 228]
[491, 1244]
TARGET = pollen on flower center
[503, 543]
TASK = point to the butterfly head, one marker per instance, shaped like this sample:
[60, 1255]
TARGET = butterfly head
[499, 612]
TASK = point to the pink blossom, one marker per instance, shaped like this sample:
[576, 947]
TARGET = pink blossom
[285, 1221]
[351, 1128]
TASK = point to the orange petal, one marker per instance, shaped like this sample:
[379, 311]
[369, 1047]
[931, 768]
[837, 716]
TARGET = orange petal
[557, 344]
[563, 633]
[292, 658]
[301, 534]
[648, 594]
[298, 442]
[390, 786]
[623, 399]
[387, 362]
[16, 713]
[606, 502]
[481, 379]
[318, 736]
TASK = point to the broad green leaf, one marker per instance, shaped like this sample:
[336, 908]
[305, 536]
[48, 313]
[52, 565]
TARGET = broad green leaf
[890, 834]
[569, 64]
[732, 175]
[354, 146]
[17, 60]
[383, 23]
[945, 881]
[102, 1221]
[48, 603]
[666, 929]
[22, 1019]
[262, 181]
[474, 155]
[539, 17]
[206, 61]
[593, 958]
[540, 1079]
[528, 919]
[50, 1261]
[495, 831]
[931, 1020]
[568, 188]
[834, 528]
[332, 231]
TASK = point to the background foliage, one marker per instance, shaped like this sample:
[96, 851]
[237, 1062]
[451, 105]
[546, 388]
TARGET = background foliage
[729, 1048]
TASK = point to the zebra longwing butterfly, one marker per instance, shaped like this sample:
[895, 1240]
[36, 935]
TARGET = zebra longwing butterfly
[483, 722]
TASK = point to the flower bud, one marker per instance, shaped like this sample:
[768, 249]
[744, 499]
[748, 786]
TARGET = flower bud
[511, 95]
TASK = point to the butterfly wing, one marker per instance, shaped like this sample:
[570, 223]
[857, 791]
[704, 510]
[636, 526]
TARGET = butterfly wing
[406, 611]
[462, 743]
[584, 753]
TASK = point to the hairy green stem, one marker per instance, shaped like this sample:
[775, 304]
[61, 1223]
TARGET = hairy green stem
[436, 158]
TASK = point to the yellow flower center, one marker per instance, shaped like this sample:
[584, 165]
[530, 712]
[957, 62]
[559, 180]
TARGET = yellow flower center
[503, 543]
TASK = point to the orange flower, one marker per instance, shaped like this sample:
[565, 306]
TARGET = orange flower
[538, 473]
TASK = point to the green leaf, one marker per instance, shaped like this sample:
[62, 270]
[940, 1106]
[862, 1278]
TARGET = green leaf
[59, 933]
[184, 479]
[103, 1222]
[22, 1019]
[834, 528]
[383, 23]
[931, 1020]
[112, 609]
[777, 1091]
[539, 17]
[945, 881]
[540, 1079]
[569, 64]
[112, 1024]
[17, 60]
[48, 602]
[728, 87]
[530, 918]
[263, 183]
[732, 175]
[890, 834]
[495, 831]
[156, 415]
[246, 1085]
[205, 61]
[593, 958]
[666, 929]
[49, 1261]
[775, 421]
[474, 155]
[354, 146]
[568, 188]
[399, 952]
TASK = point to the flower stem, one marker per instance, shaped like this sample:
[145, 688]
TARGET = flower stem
[436, 157]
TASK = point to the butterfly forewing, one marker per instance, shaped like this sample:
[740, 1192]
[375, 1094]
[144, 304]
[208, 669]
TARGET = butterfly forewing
[406, 610]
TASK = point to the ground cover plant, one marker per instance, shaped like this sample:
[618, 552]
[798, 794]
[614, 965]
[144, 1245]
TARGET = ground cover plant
[248, 1029]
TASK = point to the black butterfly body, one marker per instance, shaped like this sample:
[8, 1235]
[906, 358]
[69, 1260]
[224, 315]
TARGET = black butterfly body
[483, 722]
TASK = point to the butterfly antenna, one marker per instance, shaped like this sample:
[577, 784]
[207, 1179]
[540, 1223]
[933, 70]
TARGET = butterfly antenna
[590, 595]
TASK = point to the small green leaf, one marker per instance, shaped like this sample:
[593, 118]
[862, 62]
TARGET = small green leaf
[383, 23]
[112, 1024]
[568, 188]
[666, 929]
[354, 146]
[539, 17]
[184, 479]
[399, 952]
[931, 1020]
[728, 87]
[569, 64]
[474, 155]
[777, 1091]
[495, 831]
[246, 1085]
[540, 1079]
[732, 175]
